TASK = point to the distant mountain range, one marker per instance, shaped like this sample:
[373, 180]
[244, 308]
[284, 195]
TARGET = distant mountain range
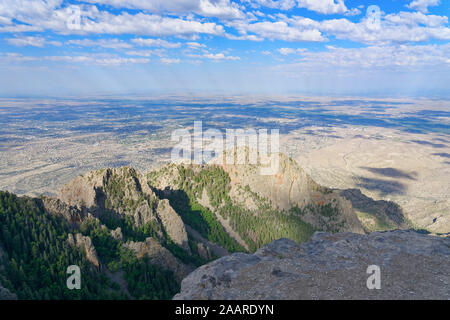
[137, 236]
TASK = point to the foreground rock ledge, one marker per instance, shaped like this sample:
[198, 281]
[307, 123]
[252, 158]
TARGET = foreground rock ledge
[329, 266]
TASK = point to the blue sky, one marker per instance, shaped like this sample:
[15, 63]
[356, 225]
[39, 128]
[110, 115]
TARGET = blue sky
[325, 47]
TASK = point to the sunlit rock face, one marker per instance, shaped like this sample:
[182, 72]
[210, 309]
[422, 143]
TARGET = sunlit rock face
[330, 266]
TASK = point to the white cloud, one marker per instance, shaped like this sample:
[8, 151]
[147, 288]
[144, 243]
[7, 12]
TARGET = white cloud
[280, 30]
[212, 56]
[146, 53]
[31, 41]
[94, 21]
[352, 12]
[170, 61]
[98, 60]
[140, 53]
[374, 57]
[381, 69]
[18, 9]
[250, 37]
[416, 18]
[152, 21]
[422, 5]
[104, 43]
[274, 4]
[395, 28]
[159, 6]
[195, 45]
[324, 6]
[152, 25]
[9, 57]
[259, 14]
[155, 43]
[220, 56]
[224, 9]
[220, 8]
[286, 51]
[120, 61]
[105, 60]
[320, 6]
[49, 15]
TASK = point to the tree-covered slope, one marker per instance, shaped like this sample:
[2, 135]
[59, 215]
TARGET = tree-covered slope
[255, 209]
[204, 194]
[36, 253]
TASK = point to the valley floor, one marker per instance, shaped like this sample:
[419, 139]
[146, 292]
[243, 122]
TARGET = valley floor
[392, 149]
[409, 169]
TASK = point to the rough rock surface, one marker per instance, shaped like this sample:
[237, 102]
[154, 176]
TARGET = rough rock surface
[291, 186]
[380, 214]
[330, 266]
[173, 224]
[159, 256]
[117, 233]
[56, 207]
[85, 243]
[123, 191]
[5, 294]
[203, 251]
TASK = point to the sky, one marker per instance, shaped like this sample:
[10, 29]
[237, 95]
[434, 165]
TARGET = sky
[145, 47]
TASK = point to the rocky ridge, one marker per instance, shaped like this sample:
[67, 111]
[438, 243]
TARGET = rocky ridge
[289, 191]
[159, 256]
[123, 191]
[329, 266]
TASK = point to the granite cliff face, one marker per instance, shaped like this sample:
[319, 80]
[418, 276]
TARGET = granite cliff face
[159, 256]
[121, 192]
[330, 266]
[255, 209]
[85, 243]
[291, 187]
[375, 215]
[71, 214]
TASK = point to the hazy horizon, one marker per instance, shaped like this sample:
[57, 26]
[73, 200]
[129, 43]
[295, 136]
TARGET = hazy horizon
[70, 48]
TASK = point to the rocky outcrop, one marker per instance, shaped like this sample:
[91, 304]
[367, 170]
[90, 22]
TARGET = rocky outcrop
[203, 251]
[123, 192]
[120, 190]
[330, 266]
[375, 214]
[81, 191]
[173, 224]
[117, 234]
[212, 248]
[288, 188]
[5, 294]
[85, 243]
[159, 256]
[56, 207]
